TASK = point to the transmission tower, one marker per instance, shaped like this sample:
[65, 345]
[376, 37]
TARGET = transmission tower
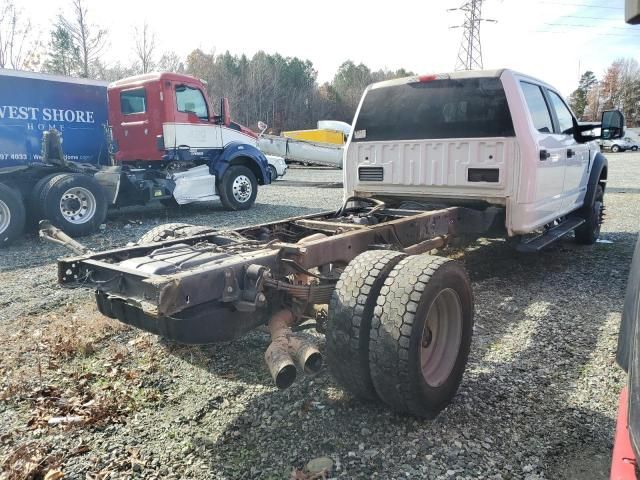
[470, 52]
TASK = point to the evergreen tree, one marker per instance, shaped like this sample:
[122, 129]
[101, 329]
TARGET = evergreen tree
[63, 55]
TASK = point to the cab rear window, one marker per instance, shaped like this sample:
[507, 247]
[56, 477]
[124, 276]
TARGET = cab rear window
[448, 108]
[133, 101]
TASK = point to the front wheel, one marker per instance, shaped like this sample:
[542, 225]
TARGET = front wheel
[589, 231]
[12, 215]
[634, 148]
[615, 149]
[238, 188]
[273, 172]
[421, 334]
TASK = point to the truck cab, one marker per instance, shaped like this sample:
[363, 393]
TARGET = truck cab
[165, 121]
[484, 138]
[168, 116]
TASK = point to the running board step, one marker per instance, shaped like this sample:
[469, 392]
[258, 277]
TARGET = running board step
[538, 243]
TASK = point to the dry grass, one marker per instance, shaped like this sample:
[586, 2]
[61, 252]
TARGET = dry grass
[36, 346]
[64, 370]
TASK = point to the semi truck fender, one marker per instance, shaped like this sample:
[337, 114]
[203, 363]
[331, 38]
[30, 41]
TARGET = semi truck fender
[597, 175]
[235, 151]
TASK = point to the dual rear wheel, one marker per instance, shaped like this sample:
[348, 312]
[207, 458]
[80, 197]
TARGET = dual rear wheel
[399, 330]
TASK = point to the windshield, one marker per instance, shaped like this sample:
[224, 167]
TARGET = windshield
[466, 108]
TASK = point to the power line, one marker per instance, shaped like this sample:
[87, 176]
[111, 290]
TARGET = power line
[595, 34]
[585, 5]
[591, 26]
[588, 18]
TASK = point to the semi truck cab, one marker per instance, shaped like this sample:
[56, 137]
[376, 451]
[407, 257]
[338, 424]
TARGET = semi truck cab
[166, 122]
[168, 116]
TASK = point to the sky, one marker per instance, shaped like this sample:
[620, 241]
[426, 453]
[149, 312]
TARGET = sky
[545, 39]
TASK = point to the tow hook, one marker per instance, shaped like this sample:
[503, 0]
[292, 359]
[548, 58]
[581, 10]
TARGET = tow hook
[53, 234]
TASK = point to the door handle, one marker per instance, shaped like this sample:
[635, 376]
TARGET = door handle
[544, 155]
[570, 153]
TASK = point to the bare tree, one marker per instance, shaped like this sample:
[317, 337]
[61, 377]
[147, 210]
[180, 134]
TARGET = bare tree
[18, 45]
[171, 62]
[145, 45]
[89, 38]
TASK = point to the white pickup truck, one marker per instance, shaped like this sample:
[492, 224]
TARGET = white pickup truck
[430, 158]
[482, 138]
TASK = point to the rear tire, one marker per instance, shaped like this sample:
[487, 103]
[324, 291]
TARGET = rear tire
[421, 334]
[73, 202]
[12, 215]
[172, 231]
[615, 148]
[35, 213]
[634, 149]
[238, 188]
[349, 322]
[589, 231]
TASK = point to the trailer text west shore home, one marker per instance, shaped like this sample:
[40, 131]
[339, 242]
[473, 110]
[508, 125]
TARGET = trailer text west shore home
[492, 153]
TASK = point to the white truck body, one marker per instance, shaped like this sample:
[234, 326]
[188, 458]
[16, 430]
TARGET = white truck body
[538, 174]
[301, 150]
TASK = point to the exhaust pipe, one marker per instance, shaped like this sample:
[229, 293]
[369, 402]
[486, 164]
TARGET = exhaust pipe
[305, 354]
[287, 347]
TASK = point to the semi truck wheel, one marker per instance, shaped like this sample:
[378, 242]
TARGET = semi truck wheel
[589, 231]
[349, 322]
[421, 334]
[238, 188]
[171, 231]
[73, 202]
[12, 215]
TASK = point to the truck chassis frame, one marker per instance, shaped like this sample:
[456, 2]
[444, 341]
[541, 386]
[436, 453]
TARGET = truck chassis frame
[216, 285]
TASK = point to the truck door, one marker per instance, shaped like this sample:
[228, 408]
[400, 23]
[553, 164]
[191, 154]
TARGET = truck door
[577, 155]
[193, 126]
[551, 155]
[131, 107]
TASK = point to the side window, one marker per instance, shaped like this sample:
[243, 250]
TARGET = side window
[133, 101]
[565, 119]
[537, 107]
[190, 99]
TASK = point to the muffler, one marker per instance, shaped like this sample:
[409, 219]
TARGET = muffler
[285, 348]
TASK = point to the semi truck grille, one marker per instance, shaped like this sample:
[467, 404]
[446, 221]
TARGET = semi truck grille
[370, 174]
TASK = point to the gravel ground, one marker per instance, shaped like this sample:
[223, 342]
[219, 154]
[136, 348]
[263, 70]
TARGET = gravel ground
[538, 399]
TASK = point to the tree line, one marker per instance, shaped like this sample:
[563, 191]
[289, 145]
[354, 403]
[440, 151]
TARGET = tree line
[619, 88]
[282, 91]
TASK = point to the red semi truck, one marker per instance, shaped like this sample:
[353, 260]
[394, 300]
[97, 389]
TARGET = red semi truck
[168, 144]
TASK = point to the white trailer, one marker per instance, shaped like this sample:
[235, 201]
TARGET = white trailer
[302, 151]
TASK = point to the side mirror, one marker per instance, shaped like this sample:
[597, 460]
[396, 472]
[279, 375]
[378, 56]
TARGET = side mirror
[612, 124]
[262, 127]
[225, 115]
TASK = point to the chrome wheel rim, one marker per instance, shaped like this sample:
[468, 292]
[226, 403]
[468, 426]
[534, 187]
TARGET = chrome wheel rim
[5, 217]
[242, 188]
[78, 205]
[441, 338]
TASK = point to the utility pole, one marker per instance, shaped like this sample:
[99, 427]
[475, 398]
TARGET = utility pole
[470, 51]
